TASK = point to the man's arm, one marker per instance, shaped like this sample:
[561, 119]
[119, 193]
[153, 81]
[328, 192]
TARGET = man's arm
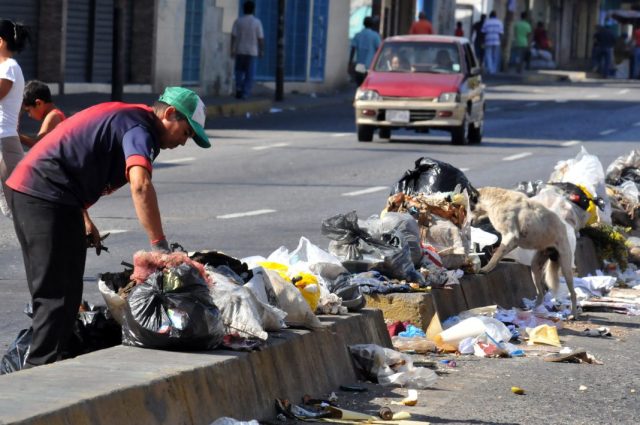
[145, 202]
[232, 50]
[48, 124]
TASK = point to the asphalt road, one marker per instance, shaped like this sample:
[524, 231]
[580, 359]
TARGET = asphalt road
[273, 178]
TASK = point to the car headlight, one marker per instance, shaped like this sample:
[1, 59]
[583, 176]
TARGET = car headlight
[367, 95]
[449, 97]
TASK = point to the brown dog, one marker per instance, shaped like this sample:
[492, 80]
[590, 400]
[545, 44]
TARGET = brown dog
[528, 224]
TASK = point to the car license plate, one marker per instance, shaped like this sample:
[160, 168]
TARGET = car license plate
[394, 115]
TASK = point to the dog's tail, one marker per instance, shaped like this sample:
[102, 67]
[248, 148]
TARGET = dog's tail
[552, 269]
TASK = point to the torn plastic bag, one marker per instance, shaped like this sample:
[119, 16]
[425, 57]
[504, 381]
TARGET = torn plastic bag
[94, 329]
[350, 243]
[400, 225]
[16, 355]
[624, 168]
[261, 286]
[243, 313]
[183, 317]
[389, 367]
[432, 176]
[110, 285]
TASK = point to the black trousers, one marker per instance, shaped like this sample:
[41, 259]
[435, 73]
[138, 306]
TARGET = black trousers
[52, 237]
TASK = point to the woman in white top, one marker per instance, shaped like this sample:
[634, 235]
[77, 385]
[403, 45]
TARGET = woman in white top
[12, 40]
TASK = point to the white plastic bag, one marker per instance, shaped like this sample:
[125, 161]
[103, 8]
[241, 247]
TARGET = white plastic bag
[586, 170]
[230, 421]
[242, 312]
[115, 302]
[390, 367]
[291, 301]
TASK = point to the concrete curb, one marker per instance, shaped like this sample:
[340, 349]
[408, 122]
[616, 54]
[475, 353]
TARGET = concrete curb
[505, 286]
[125, 385]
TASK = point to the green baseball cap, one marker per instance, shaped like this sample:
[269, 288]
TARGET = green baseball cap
[189, 104]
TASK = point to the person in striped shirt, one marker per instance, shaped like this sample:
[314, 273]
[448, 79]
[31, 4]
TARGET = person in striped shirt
[492, 30]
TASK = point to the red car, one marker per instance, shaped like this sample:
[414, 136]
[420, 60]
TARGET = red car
[421, 82]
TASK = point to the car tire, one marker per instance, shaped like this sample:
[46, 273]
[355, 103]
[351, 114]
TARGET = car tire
[475, 132]
[384, 132]
[365, 133]
[460, 134]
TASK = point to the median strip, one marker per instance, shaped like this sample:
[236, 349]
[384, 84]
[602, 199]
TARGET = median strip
[245, 214]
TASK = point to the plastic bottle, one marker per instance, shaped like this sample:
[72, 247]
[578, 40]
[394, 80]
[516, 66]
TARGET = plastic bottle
[471, 328]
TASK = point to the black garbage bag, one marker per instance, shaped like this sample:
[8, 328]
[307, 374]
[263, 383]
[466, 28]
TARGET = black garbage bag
[432, 176]
[16, 355]
[351, 244]
[173, 310]
[95, 329]
[349, 292]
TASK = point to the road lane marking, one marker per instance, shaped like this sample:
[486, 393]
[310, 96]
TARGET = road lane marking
[570, 143]
[177, 160]
[365, 191]
[516, 156]
[637, 124]
[623, 91]
[113, 231]
[609, 131]
[245, 214]
[341, 134]
[494, 109]
[592, 96]
[531, 104]
[464, 170]
[275, 145]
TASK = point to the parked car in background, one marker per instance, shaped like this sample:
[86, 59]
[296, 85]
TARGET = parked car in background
[422, 82]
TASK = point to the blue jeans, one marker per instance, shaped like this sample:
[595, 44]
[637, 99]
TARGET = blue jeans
[492, 58]
[604, 57]
[636, 63]
[245, 72]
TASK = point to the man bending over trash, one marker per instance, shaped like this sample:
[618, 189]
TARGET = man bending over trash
[91, 154]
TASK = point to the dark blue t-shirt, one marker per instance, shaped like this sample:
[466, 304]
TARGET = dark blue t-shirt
[89, 154]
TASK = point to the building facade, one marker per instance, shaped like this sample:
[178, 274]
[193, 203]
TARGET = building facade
[177, 42]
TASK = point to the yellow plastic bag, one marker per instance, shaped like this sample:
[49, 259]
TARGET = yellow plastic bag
[307, 284]
[544, 334]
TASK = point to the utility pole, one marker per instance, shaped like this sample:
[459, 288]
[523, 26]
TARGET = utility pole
[279, 95]
[508, 35]
[118, 51]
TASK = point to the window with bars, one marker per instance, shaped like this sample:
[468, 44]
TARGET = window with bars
[192, 42]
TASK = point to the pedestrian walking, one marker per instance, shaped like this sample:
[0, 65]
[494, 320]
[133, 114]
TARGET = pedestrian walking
[421, 26]
[478, 37]
[247, 44]
[603, 41]
[91, 154]
[521, 41]
[492, 30]
[635, 59]
[459, 31]
[13, 37]
[363, 47]
[38, 104]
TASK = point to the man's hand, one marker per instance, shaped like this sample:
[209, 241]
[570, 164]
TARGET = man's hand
[93, 235]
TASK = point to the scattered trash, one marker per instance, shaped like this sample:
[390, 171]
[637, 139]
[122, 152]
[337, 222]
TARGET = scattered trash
[602, 331]
[410, 400]
[544, 334]
[582, 388]
[571, 356]
[385, 413]
[231, 421]
[517, 390]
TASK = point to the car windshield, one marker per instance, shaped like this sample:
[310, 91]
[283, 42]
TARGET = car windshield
[440, 58]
